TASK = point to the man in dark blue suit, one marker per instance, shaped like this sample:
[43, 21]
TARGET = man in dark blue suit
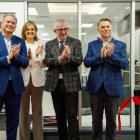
[13, 56]
[106, 57]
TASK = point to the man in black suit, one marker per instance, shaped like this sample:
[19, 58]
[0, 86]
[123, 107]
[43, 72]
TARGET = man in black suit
[63, 57]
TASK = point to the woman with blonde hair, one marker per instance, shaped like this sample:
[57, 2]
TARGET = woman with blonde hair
[34, 80]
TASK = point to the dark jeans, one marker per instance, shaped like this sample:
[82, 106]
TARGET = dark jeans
[66, 109]
[99, 102]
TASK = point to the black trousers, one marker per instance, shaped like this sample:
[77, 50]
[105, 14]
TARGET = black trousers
[98, 103]
[66, 109]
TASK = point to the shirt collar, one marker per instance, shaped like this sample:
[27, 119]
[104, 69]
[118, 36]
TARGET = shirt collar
[109, 40]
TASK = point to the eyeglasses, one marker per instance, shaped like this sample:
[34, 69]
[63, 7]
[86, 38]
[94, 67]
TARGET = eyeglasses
[62, 29]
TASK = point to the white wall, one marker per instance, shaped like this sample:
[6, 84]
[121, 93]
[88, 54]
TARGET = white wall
[126, 39]
[19, 9]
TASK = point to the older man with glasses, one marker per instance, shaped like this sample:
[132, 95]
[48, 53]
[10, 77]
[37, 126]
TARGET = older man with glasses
[63, 57]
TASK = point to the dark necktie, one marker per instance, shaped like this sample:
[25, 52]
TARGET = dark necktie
[61, 46]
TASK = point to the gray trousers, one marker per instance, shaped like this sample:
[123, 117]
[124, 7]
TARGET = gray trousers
[98, 103]
[35, 94]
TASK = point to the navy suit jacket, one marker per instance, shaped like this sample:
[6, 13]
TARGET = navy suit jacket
[106, 70]
[12, 69]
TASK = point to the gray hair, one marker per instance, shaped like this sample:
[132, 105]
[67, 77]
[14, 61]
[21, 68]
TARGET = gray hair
[60, 21]
[9, 15]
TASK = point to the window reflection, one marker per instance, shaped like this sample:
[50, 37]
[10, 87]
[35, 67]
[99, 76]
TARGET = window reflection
[45, 14]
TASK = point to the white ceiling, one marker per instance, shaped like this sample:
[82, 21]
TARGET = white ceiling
[114, 11]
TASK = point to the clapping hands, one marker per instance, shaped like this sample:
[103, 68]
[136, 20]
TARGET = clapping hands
[14, 51]
[65, 54]
[39, 49]
[107, 50]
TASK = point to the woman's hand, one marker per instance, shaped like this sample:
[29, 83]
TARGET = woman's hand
[39, 49]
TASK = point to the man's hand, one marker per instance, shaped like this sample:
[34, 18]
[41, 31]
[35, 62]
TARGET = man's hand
[110, 49]
[107, 50]
[68, 50]
[65, 54]
[103, 52]
[15, 50]
[11, 55]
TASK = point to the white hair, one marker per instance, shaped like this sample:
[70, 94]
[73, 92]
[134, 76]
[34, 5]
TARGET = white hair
[60, 21]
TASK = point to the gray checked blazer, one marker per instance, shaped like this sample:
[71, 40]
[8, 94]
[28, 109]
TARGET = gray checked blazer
[69, 68]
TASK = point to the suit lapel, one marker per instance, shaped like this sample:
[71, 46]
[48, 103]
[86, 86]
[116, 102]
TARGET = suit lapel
[14, 40]
[55, 47]
[3, 49]
[98, 46]
[70, 43]
[113, 41]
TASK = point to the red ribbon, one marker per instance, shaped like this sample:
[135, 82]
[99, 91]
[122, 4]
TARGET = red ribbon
[136, 100]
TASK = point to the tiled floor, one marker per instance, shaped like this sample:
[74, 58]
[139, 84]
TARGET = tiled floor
[2, 135]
